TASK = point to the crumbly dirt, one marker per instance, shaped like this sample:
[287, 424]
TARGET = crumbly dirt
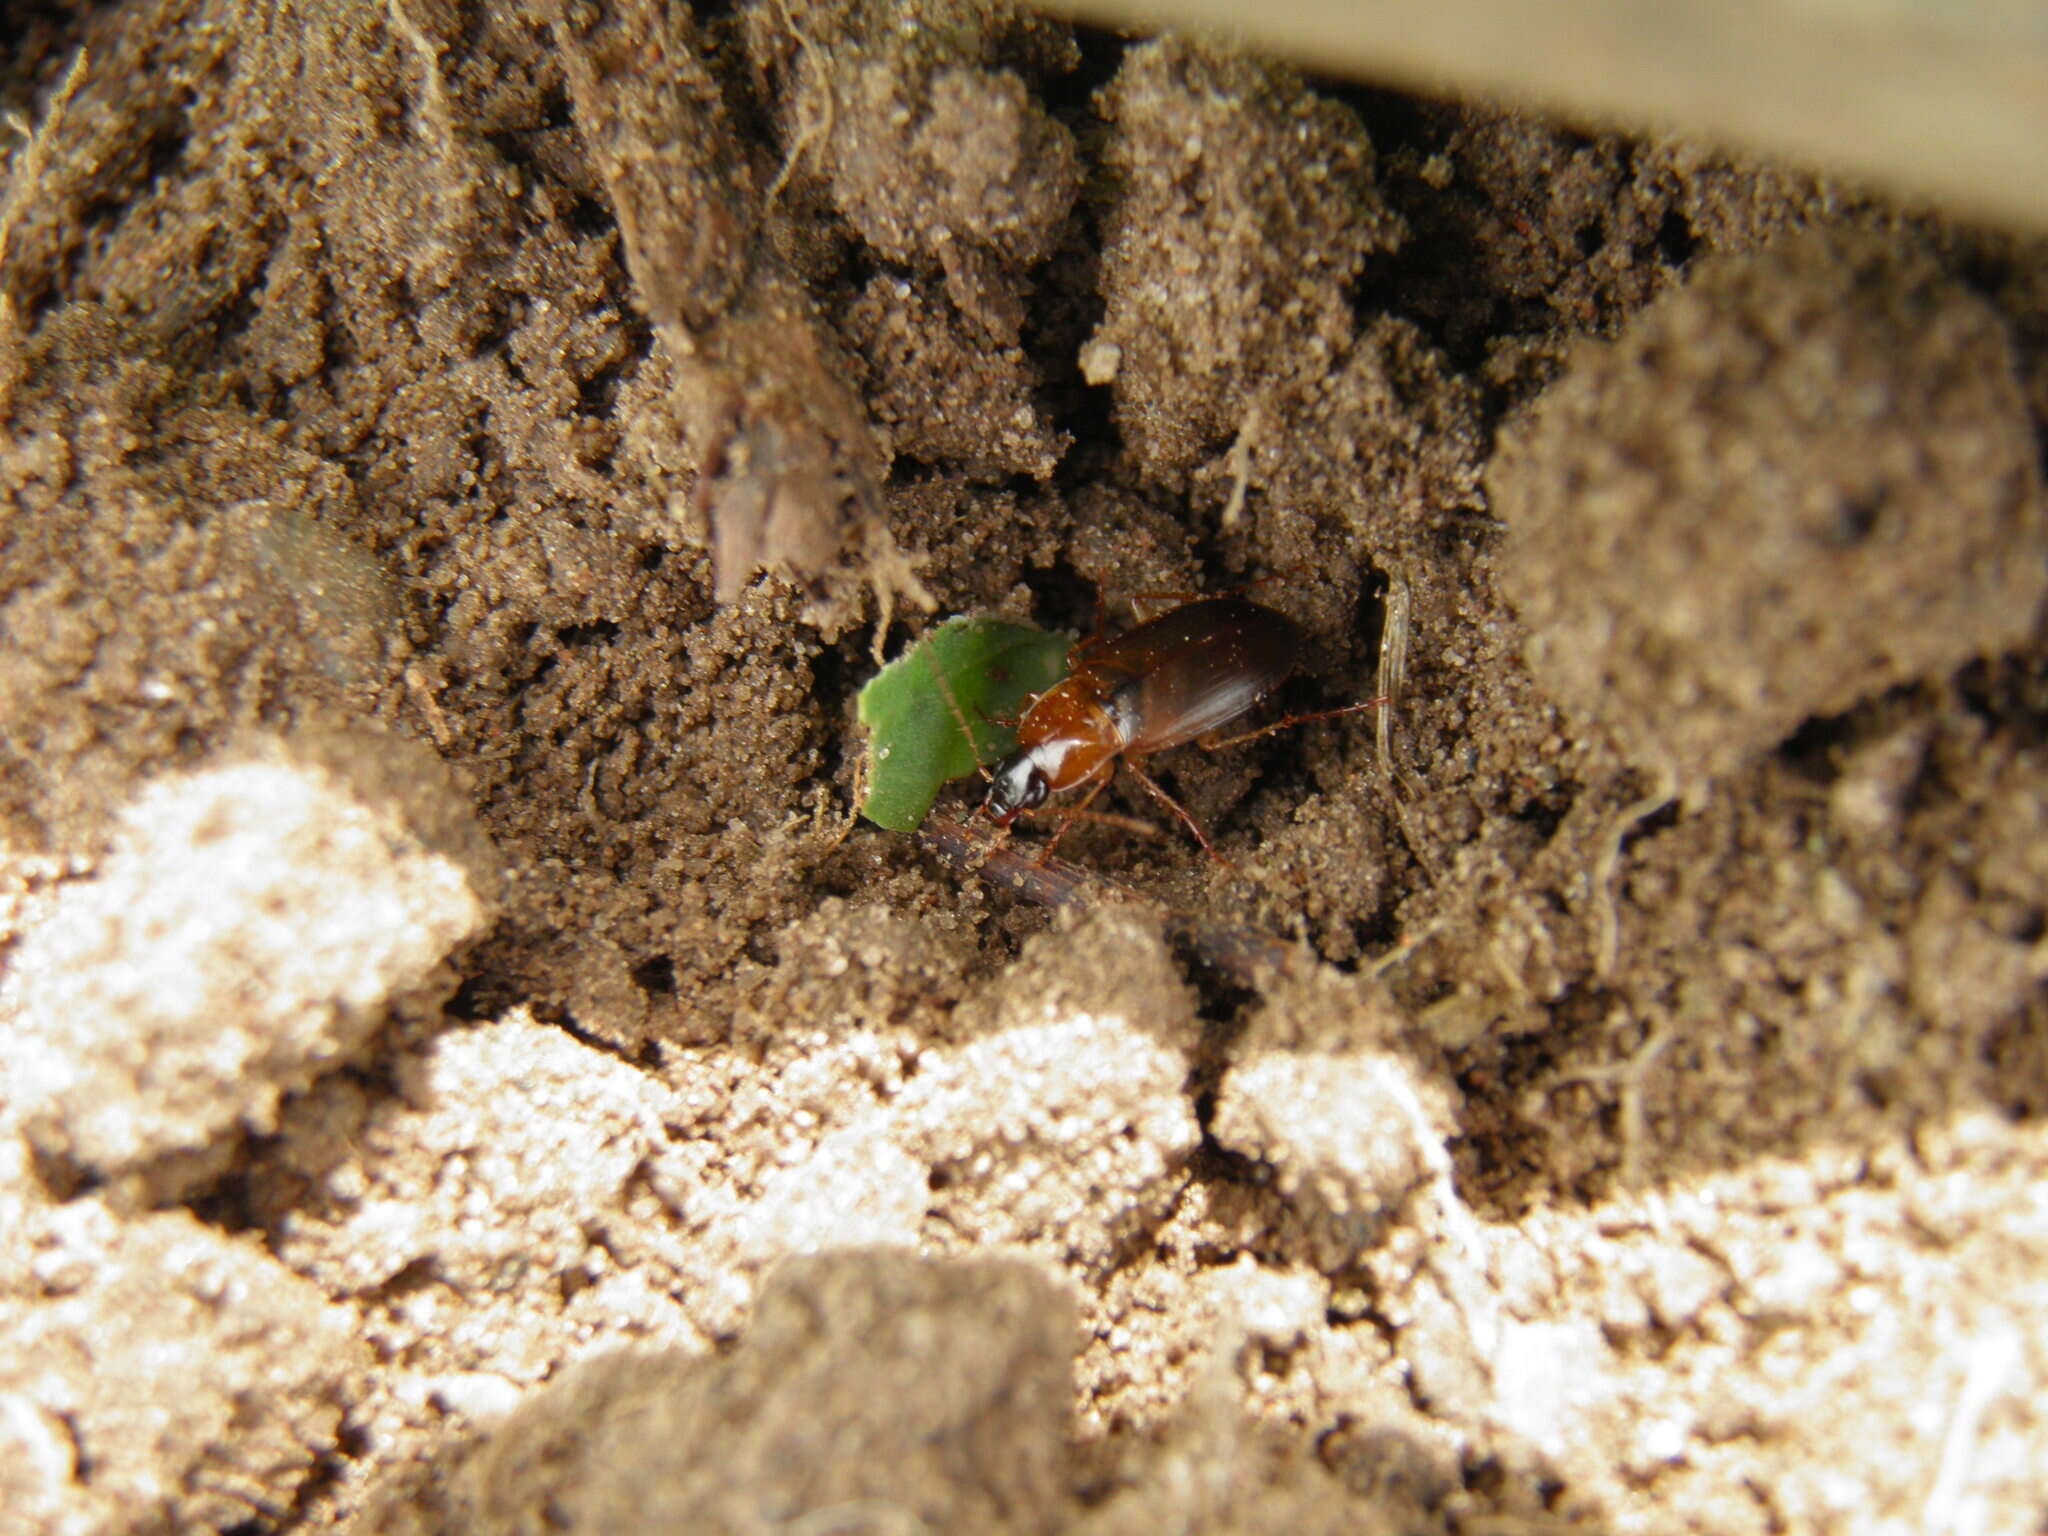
[468, 1069]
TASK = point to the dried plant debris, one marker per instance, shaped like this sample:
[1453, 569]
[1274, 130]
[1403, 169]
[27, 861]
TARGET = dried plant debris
[455, 1019]
[786, 464]
[789, 466]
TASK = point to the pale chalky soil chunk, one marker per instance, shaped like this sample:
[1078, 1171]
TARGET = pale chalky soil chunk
[246, 933]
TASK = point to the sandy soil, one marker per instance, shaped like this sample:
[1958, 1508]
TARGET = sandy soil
[467, 1069]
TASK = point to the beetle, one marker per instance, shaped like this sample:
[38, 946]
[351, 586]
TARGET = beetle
[1187, 672]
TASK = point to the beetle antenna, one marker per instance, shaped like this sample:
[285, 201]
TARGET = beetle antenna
[1290, 573]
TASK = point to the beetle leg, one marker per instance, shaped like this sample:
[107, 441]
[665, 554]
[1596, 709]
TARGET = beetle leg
[1080, 648]
[1073, 813]
[1288, 723]
[1178, 598]
[1187, 820]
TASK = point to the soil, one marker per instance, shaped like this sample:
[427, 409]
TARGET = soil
[469, 1069]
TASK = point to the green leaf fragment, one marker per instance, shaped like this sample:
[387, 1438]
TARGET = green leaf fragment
[919, 737]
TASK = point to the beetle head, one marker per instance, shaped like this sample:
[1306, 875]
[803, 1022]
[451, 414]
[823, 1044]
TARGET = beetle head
[1019, 785]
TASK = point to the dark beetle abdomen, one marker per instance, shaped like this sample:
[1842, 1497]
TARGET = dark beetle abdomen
[1196, 668]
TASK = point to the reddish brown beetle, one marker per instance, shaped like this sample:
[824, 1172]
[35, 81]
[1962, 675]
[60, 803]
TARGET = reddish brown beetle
[1192, 669]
